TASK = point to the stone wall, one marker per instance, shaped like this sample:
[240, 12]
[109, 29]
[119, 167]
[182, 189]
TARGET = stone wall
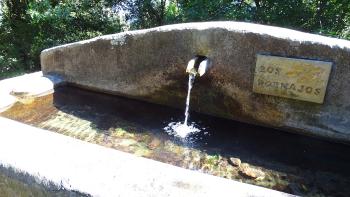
[150, 65]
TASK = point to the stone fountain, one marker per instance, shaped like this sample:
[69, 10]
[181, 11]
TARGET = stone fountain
[262, 75]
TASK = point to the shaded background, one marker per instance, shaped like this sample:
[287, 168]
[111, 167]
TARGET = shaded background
[29, 26]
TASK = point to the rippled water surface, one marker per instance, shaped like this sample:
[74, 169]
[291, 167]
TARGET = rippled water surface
[282, 161]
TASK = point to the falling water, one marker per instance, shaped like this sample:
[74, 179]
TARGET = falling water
[191, 78]
[180, 129]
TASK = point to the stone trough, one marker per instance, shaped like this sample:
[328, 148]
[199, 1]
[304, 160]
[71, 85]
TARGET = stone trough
[150, 65]
[262, 75]
[61, 161]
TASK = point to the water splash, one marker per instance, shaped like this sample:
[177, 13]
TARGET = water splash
[180, 129]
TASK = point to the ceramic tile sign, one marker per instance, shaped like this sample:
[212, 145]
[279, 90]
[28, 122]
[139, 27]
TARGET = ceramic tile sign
[293, 78]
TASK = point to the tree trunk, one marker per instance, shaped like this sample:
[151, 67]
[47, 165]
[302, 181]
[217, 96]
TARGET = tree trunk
[17, 11]
[162, 12]
[320, 8]
[257, 16]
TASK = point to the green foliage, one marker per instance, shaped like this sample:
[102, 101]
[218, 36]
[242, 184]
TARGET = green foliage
[329, 17]
[345, 33]
[16, 36]
[172, 13]
[69, 21]
[293, 13]
[207, 10]
[145, 13]
[29, 26]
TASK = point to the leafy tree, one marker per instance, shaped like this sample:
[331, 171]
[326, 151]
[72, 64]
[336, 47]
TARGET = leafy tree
[329, 17]
[16, 35]
[207, 10]
[293, 13]
[28, 27]
[144, 13]
[67, 21]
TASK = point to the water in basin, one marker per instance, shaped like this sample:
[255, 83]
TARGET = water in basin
[269, 158]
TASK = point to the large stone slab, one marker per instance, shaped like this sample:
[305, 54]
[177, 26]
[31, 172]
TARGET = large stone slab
[150, 65]
[67, 163]
[25, 88]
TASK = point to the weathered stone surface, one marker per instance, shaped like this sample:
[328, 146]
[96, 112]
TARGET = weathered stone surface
[63, 162]
[25, 88]
[150, 65]
[252, 173]
[235, 161]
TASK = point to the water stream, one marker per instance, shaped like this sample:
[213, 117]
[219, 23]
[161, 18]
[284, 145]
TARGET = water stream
[191, 78]
[180, 129]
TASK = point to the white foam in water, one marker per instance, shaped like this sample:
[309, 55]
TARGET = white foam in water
[181, 130]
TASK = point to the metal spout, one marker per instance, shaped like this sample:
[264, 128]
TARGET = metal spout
[191, 66]
[198, 65]
[204, 66]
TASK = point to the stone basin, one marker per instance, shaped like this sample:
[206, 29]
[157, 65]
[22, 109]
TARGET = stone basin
[150, 65]
[42, 158]
[47, 152]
